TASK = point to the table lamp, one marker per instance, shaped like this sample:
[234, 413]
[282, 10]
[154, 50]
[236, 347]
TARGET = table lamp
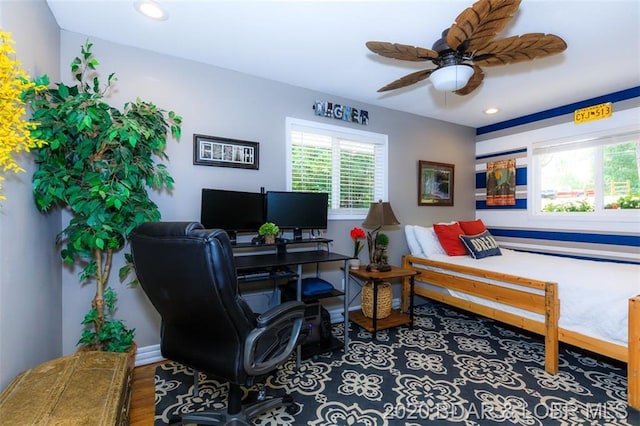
[380, 214]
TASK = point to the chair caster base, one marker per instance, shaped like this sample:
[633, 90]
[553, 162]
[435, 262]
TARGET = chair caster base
[243, 418]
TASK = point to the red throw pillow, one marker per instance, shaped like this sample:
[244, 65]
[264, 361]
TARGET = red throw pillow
[472, 227]
[448, 235]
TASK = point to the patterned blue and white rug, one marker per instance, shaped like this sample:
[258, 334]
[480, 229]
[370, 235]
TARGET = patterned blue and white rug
[452, 367]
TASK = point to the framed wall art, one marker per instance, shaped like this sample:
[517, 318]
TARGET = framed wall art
[224, 152]
[501, 183]
[435, 183]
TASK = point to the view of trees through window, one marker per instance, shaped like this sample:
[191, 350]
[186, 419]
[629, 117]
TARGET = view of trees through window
[311, 166]
[312, 170]
[599, 176]
[357, 176]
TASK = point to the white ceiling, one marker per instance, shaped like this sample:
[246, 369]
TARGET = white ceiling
[320, 45]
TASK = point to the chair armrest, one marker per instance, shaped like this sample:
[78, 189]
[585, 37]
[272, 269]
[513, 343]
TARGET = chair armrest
[267, 318]
[287, 315]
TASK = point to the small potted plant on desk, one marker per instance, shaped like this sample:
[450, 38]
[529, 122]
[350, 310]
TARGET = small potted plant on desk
[269, 230]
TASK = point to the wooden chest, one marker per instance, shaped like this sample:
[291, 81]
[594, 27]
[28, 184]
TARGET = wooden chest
[86, 388]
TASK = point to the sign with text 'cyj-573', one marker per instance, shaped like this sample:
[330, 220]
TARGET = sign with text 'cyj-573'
[595, 112]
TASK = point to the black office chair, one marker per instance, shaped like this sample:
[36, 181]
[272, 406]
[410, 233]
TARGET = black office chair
[189, 275]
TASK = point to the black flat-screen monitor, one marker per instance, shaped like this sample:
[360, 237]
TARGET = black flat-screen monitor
[233, 211]
[297, 210]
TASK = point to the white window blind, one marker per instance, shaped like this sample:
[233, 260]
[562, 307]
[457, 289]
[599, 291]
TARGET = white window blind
[349, 164]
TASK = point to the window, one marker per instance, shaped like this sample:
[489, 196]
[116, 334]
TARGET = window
[588, 176]
[350, 165]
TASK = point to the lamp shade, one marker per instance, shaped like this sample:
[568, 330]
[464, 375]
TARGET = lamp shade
[380, 214]
[452, 77]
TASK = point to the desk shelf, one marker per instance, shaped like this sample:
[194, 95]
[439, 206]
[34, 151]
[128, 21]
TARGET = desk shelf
[272, 275]
[279, 244]
[290, 295]
[333, 293]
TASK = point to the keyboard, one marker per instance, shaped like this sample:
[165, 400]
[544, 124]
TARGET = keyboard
[253, 273]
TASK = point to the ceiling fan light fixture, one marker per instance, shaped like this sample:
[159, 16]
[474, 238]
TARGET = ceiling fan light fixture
[452, 77]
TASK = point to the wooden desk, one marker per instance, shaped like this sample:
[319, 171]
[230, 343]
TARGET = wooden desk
[396, 318]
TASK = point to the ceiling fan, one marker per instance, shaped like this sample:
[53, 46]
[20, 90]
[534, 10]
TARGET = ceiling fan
[470, 39]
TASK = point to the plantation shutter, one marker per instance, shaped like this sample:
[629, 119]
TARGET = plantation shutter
[351, 168]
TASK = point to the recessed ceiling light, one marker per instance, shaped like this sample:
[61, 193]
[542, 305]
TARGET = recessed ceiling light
[151, 9]
[490, 111]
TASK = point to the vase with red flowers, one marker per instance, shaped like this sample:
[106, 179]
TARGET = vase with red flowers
[357, 235]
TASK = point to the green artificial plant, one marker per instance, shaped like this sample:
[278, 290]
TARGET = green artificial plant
[98, 164]
[380, 253]
[268, 228]
[382, 240]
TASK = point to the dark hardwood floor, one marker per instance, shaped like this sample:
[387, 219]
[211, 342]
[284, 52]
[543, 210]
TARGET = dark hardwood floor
[142, 405]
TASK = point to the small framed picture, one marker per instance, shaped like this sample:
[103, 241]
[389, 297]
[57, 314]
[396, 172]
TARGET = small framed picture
[224, 152]
[435, 184]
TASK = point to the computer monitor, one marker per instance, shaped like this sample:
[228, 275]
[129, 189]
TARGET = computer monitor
[297, 210]
[233, 211]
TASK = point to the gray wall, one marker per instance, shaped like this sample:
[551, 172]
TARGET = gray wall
[46, 300]
[30, 274]
[224, 103]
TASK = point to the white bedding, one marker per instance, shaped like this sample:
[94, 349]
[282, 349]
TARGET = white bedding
[593, 295]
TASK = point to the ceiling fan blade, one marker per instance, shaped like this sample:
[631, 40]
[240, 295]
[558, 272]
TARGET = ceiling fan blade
[519, 49]
[407, 80]
[478, 25]
[401, 51]
[474, 82]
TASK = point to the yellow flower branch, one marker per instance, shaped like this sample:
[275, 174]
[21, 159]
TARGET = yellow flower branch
[15, 129]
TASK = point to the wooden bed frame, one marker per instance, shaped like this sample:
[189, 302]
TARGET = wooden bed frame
[531, 295]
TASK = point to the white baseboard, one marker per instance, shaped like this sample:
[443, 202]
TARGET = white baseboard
[150, 354]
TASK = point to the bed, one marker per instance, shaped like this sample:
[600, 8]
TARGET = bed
[589, 304]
